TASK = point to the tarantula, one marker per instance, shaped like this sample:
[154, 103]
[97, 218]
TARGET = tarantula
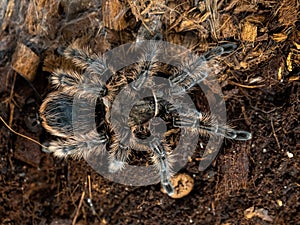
[96, 86]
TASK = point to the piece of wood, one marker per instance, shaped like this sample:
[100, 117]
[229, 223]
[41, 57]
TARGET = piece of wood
[25, 62]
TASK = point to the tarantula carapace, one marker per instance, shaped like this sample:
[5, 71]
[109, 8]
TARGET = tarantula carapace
[128, 106]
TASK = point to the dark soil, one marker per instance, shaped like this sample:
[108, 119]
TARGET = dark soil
[253, 182]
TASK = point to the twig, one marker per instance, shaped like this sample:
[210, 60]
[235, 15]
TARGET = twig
[245, 116]
[78, 208]
[22, 135]
[11, 114]
[89, 200]
[245, 86]
[266, 112]
[11, 106]
[274, 133]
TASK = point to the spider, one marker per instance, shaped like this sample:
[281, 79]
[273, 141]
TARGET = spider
[96, 85]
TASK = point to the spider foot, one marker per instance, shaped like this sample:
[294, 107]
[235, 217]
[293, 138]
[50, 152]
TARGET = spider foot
[161, 161]
[115, 166]
[230, 133]
[117, 158]
[168, 187]
[226, 132]
[206, 124]
[219, 50]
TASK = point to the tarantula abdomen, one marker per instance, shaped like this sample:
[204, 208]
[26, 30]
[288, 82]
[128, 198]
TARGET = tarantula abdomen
[56, 113]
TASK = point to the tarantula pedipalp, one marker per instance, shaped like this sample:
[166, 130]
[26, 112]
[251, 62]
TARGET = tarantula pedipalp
[129, 102]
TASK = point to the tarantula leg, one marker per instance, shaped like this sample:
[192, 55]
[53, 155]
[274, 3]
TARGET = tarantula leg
[118, 158]
[188, 72]
[220, 50]
[74, 84]
[196, 70]
[76, 146]
[142, 79]
[185, 80]
[63, 148]
[95, 66]
[208, 125]
[227, 132]
[90, 85]
[191, 74]
[185, 122]
[190, 120]
[161, 161]
[243, 135]
[83, 59]
[103, 138]
[120, 151]
[147, 66]
[231, 133]
[170, 108]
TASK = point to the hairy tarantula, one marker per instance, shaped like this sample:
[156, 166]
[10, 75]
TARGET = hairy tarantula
[97, 87]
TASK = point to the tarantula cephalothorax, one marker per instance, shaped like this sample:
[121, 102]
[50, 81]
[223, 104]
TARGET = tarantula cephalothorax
[96, 84]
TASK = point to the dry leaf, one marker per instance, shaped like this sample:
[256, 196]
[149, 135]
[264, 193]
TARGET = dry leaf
[249, 32]
[279, 37]
[114, 14]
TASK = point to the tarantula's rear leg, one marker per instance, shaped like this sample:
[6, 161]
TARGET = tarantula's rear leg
[207, 124]
[161, 160]
[76, 146]
[195, 70]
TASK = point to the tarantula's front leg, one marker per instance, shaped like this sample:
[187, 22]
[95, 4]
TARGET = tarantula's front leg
[195, 69]
[207, 124]
[86, 86]
[160, 159]
[147, 66]
[91, 84]
[93, 63]
[192, 74]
